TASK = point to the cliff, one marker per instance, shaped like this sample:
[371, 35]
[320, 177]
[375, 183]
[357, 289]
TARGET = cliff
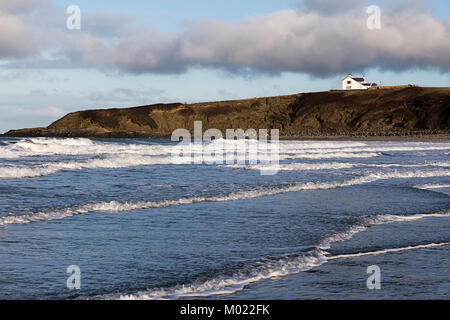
[374, 112]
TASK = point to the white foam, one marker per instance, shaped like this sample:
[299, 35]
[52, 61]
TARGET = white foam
[251, 194]
[433, 186]
[328, 150]
[292, 144]
[115, 206]
[329, 155]
[66, 141]
[373, 221]
[110, 162]
[278, 268]
[442, 188]
[47, 146]
[332, 166]
[236, 282]
[298, 166]
[292, 149]
[7, 154]
[131, 160]
[396, 174]
[385, 251]
[426, 164]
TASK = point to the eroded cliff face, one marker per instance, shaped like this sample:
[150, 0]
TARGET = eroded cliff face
[336, 112]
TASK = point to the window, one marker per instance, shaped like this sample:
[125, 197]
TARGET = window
[349, 82]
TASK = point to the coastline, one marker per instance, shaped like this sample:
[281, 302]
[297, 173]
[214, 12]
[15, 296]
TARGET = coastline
[394, 137]
[410, 138]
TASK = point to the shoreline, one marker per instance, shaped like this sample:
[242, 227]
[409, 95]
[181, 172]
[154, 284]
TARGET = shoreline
[394, 138]
[410, 137]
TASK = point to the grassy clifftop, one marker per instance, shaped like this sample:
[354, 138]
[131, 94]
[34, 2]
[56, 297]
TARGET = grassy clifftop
[385, 111]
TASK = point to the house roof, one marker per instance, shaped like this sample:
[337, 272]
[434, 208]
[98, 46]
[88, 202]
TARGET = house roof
[356, 79]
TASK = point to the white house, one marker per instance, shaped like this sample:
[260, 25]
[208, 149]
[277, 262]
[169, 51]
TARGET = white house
[353, 83]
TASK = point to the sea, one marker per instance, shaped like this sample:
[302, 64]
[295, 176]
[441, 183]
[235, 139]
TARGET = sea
[111, 219]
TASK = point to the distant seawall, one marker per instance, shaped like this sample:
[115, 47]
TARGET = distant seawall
[398, 111]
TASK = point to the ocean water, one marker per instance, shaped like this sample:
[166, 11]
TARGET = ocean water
[140, 224]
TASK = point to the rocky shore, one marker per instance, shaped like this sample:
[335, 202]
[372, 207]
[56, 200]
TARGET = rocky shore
[393, 136]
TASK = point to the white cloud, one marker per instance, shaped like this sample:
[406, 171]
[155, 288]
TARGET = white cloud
[16, 40]
[323, 40]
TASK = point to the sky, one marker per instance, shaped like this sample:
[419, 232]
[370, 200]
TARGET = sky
[129, 53]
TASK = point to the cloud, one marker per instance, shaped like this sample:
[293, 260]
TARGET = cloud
[139, 52]
[317, 44]
[125, 96]
[106, 23]
[323, 40]
[21, 6]
[20, 26]
[16, 40]
[332, 6]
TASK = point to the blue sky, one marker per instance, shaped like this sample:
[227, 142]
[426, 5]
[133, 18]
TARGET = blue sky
[176, 11]
[33, 93]
[170, 14]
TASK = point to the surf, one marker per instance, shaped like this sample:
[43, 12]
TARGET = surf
[283, 267]
[116, 206]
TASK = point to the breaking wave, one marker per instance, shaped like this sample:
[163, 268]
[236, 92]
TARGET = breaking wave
[364, 149]
[312, 150]
[397, 174]
[123, 161]
[296, 166]
[433, 186]
[234, 283]
[278, 268]
[330, 155]
[384, 251]
[330, 166]
[117, 155]
[80, 146]
[115, 206]
[373, 221]
[118, 161]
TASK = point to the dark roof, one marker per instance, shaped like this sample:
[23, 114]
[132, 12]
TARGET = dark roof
[356, 79]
